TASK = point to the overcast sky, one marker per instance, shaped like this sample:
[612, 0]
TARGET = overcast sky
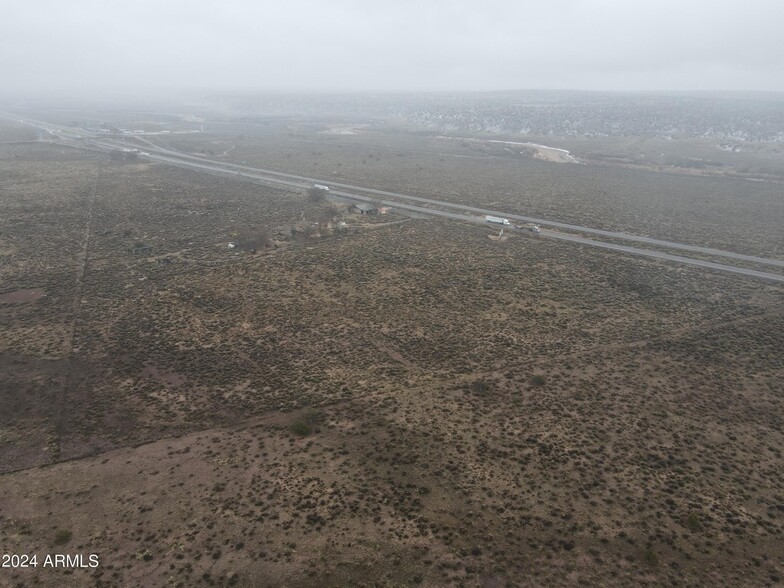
[105, 46]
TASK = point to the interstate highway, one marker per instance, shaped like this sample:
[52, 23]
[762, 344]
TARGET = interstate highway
[301, 182]
[462, 207]
[296, 181]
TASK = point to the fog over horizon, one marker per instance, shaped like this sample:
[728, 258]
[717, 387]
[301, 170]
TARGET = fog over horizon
[89, 49]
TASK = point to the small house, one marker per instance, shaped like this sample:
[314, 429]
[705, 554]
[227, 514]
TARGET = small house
[363, 209]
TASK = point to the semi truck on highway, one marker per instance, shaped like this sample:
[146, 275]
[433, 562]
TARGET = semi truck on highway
[321, 187]
[497, 220]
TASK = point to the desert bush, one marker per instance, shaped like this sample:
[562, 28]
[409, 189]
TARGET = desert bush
[62, 536]
[306, 424]
[328, 213]
[479, 387]
[301, 428]
[316, 195]
[693, 522]
[254, 239]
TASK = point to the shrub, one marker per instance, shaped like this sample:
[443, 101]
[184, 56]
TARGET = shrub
[306, 424]
[62, 537]
[538, 380]
[316, 195]
[254, 239]
[479, 387]
[693, 522]
[301, 428]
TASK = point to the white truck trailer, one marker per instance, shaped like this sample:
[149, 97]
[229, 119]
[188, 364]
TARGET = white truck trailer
[321, 187]
[497, 220]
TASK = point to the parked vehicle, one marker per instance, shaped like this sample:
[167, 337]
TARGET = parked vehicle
[529, 227]
[497, 220]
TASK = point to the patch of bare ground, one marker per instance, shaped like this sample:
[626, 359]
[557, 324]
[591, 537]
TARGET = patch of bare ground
[165, 378]
[20, 296]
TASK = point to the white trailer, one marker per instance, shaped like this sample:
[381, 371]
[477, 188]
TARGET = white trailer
[497, 220]
[321, 187]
